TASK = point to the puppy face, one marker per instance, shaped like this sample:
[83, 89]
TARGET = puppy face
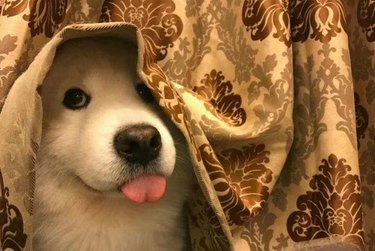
[100, 124]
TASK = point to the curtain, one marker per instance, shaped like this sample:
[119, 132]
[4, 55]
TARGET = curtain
[275, 98]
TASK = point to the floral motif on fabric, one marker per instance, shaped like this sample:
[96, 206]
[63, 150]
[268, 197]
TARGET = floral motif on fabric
[272, 87]
[7, 73]
[12, 232]
[333, 208]
[83, 11]
[338, 84]
[366, 18]
[259, 232]
[167, 97]
[220, 95]
[267, 17]
[311, 95]
[205, 227]
[160, 27]
[362, 65]
[191, 50]
[361, 117]
[317, 19]
[279, 198]
[158, 23]
[242, 185]
[233, 39]
[46, 16]
[11, 8]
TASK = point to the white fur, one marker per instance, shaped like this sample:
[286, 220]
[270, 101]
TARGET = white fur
[77, 204]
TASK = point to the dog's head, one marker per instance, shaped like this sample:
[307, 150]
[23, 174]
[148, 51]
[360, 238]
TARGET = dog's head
[101, 124]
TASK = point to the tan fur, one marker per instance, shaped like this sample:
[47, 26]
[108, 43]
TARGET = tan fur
[77, 206]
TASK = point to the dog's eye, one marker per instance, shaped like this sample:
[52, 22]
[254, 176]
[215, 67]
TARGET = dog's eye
[76, 99]
[145, 92]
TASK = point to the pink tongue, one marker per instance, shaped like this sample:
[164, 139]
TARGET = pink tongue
[145, 188]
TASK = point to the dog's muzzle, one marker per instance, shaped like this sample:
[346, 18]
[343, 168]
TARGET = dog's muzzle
[140, 144]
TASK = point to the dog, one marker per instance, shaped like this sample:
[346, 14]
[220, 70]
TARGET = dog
[112, 172]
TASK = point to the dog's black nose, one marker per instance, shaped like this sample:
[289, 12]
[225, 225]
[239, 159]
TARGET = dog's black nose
[138, 143]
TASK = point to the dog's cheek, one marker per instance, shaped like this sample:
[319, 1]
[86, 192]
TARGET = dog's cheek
[98, 166]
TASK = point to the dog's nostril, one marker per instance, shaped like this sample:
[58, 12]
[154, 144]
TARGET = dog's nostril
[138, 143]
[127, 147]
[155, 142]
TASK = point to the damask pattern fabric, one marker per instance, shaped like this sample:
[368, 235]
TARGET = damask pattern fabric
[275, 98]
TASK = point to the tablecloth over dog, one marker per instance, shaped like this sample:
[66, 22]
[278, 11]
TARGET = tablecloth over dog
[266, 92]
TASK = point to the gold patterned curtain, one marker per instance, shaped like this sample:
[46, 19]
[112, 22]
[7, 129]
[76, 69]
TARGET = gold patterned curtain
[275, 98]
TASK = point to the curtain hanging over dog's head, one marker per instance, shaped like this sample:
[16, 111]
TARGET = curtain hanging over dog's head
[267, 110]
[25, 100]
